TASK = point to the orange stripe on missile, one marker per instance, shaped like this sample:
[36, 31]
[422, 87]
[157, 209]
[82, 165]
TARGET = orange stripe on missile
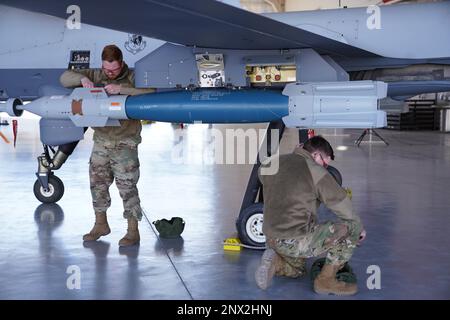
[77, 107]
[115, 104]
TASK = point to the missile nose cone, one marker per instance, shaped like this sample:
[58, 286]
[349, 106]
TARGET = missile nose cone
[35, 106]
[13, 107]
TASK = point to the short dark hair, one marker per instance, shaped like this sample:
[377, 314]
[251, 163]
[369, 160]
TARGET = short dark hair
[318, 143]
[112, 53]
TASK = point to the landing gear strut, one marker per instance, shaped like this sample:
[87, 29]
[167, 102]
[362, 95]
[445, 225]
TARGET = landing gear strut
[48, 188]
[250, 221]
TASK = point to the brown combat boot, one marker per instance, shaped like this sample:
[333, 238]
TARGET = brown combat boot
[270, 263]
[326, 282]
[101, 228]
[132, 237]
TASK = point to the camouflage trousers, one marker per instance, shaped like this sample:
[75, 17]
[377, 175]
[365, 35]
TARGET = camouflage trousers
[337, 240]
[117, 162]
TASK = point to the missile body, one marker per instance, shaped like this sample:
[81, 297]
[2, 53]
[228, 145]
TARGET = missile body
[344, 104]
[209, 106]
[85, 107]
[94, 108]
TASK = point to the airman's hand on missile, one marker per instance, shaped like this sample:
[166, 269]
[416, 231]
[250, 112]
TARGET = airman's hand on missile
[113, 88]
[86, 83]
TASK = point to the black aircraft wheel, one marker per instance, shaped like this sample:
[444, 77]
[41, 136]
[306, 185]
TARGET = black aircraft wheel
[53, 194]
[336, 174]
[249, 226]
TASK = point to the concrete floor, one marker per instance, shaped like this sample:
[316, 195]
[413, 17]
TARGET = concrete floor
[400, 191]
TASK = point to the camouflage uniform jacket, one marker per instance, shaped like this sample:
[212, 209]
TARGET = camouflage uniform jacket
[129, 130]
[292, 196]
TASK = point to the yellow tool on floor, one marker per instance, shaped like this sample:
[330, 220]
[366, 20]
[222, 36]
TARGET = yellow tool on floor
[232, 244]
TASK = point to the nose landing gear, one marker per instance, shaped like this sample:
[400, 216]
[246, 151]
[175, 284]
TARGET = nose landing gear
[48, 188]
[54, 191]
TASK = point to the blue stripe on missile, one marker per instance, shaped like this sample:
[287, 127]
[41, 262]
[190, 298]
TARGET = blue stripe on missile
[209, 106]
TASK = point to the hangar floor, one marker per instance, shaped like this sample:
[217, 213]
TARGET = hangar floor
[400, 191]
